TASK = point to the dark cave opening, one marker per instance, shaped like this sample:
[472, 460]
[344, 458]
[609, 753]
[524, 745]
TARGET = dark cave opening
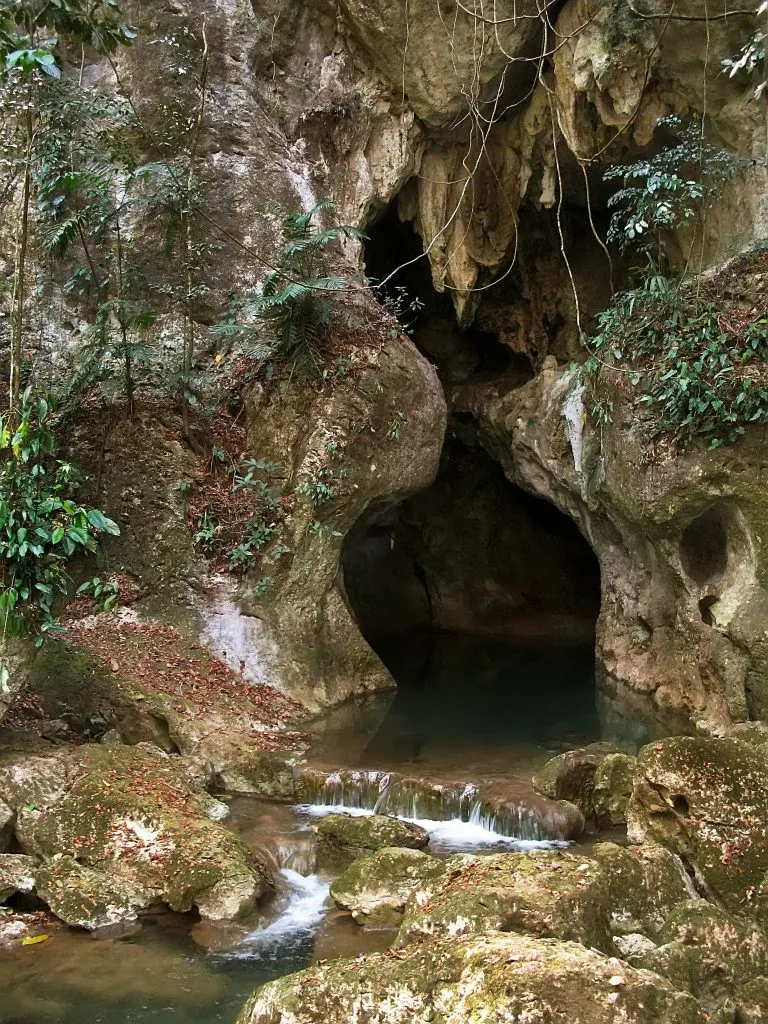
[394, 254]
[472, 556]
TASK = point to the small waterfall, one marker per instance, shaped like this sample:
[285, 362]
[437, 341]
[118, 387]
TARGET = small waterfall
[454, 815]
[299, 910]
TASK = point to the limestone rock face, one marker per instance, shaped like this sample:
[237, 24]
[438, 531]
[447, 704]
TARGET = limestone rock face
[376, 888]
[491, 976]
[7, 818]
[16, 658]
[545, 894]
[131, 831]
[670, 543]
[707, 801]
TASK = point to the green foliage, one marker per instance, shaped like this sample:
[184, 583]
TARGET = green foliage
[257, 536]
[95, 22]
[396, 426]
[42, 527]
[750, 60]
[294, 308]
[319, 488]
[665, 192]
[105, 593]
[208, 532]
[694, 374]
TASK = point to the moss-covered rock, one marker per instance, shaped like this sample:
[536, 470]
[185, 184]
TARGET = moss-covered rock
[546, 893]
[710, 954]
[344, 835]
[84, 897]
[645, 884]
[612, 789]
[131, 814]
[476, 978]
[707, 801]
[17, 874]
[376, 888]
[571, 776]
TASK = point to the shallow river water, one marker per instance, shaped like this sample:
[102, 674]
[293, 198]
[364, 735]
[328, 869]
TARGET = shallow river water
[479, 713]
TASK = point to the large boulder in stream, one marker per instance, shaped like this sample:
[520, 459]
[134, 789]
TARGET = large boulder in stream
[351, 836]
[546, 893]
[491, 977]
[375, 889]
[571, 776]
[707, 801]
[139, 829]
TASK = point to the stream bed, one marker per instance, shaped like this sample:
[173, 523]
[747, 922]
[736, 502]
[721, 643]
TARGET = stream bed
[523, 706]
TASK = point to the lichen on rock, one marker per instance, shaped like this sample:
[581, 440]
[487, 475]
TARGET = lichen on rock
[375, 889]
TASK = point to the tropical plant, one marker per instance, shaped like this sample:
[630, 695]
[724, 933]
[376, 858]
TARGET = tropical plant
[42, 526]
[294, 308]
[666, 192]
[31, 32]
[695, 367]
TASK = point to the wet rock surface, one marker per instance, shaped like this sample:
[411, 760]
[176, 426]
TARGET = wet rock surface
[494, 977]
[344, 835]
[375, 889]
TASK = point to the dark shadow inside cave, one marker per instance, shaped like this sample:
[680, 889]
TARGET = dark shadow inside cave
[482, 601]
[472, 555]
[394, 254]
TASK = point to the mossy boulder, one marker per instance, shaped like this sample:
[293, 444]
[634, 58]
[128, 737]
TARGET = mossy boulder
[707, 801]
[131, 814]
[84, 897]
[376, 888]
[612, 788]
[571, 776]
[711, 954]
[17, 874]
[645, 884]
[491, 977]
[348, 836]
[546, 893]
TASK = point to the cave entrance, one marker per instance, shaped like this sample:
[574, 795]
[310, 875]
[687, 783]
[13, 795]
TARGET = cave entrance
[482, 601]
[394, 254]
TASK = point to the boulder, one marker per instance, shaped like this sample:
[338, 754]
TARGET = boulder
[17, 874]
[86, 898]
[376, 888]
[707, 801]
[645, 884]
[571, 776]
[710, 954]
[612, 789]
[491, 977]
[546, 893]
[352, 836]
[130, 814]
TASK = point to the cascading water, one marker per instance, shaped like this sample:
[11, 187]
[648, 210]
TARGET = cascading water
[454, 816]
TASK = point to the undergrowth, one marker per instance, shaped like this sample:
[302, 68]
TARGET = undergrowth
[693, 356]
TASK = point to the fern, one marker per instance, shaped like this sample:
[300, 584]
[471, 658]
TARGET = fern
[296, 302]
